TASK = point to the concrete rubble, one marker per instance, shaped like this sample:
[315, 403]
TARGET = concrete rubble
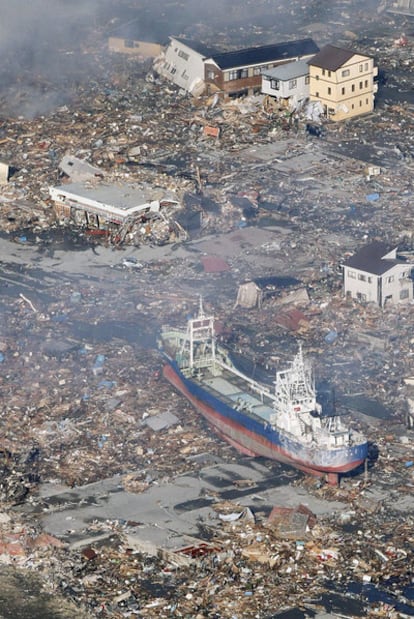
[115, 497]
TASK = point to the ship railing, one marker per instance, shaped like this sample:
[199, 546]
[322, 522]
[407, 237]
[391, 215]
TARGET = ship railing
[257, 387]
[174, 334]
[205, 361]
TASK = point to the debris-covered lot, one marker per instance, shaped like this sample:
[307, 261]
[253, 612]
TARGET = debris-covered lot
[116, 500]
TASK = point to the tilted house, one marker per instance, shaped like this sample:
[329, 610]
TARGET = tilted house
[201, 70]
[183, 64]
[378, 275]
[287, 83]
[239, 72]
[343, 81]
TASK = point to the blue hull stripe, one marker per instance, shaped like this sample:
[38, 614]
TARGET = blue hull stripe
[257, 436]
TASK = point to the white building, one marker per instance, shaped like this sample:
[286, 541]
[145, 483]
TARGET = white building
[288, 82]
[183, 63]
[376, 274]
[100, 205]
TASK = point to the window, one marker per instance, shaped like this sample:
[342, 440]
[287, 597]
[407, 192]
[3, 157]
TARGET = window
[323, 71]
[237, 74]
[129, 43]
[343, 91]
[292, 84]
[361, 277]
[329, 74]
[329, 90]
[173, 70]
[316, 94]
[369, 279]
[366, 83]
[275, 84]
[307, 79]
[345, 73]
[211, 75]
[183, 55]
[366, 66]
[257, 71]
[360, 103]
[390, 279]
[317, 77]
[353, 106]
[366, 101]
[184, 75]
[352, 274]
[353, 87]
[360, 85]
[361, 68]
[404, 294]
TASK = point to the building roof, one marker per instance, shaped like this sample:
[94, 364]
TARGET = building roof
[288, 71]
[122, 196]
[370, 259]
[331, 57]
[198, 47]
[268, 53]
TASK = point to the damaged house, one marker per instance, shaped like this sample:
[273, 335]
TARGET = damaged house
[183, 64]
[378, 274]
[286, 85]
[79, 170]
[200, 70]
[120, 208]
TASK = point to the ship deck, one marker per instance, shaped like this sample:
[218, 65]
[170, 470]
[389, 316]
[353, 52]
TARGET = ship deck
[236, 393]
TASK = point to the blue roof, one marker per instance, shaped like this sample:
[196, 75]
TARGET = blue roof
[267, 53]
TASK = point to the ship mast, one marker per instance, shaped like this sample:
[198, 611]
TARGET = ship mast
[200, 332]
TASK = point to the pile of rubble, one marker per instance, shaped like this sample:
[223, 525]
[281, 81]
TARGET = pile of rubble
[83, 402]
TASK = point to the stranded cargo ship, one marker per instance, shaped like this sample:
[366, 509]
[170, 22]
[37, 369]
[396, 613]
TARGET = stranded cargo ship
[285, 423]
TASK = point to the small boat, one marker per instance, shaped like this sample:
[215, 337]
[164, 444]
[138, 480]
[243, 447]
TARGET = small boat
[284, 422]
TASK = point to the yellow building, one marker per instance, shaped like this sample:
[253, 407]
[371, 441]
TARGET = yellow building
[343, 81]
